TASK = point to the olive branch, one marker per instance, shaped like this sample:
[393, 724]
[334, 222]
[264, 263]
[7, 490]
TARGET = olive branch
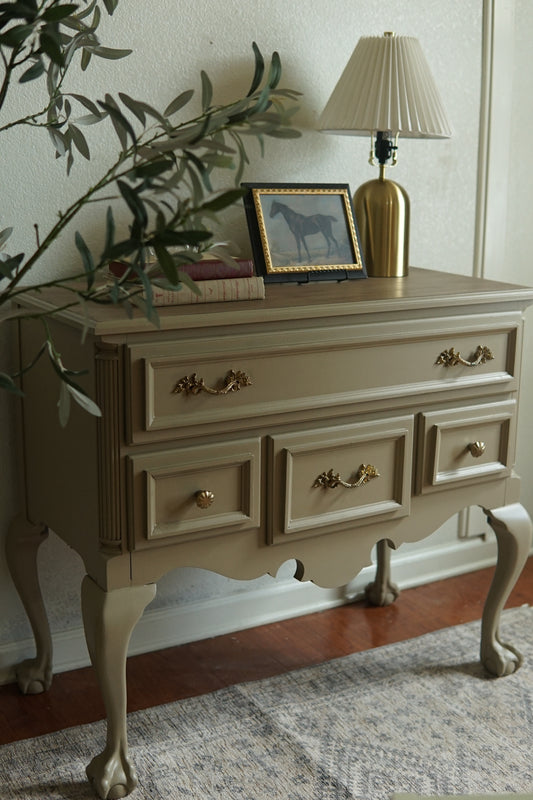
[162, 174]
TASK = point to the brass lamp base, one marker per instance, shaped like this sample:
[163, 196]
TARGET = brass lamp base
[382, 212]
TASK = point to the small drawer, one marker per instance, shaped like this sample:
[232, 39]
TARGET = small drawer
[339, 477]
[196, 492]
[466, 445]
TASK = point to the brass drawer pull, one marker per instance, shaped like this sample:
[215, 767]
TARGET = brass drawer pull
[192, 384]
[330, 480]
[451, 358]
[477, 448]
[204, 498]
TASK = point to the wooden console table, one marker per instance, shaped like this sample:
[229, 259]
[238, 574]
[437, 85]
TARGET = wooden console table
[307, 426]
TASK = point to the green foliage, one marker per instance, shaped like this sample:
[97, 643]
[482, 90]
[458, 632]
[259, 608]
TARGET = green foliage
[162, 173]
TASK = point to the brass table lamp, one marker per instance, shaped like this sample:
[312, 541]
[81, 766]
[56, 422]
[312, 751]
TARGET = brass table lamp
[386, 90]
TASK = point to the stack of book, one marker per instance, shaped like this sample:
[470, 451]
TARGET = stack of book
[216, 282]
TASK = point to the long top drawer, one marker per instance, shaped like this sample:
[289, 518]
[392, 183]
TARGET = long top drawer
[234, 381]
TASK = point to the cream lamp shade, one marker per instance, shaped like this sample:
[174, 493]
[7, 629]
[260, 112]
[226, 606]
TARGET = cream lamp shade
[386, 86]
[387, 91]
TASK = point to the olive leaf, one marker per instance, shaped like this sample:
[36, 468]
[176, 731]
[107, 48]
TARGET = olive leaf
[134, 203]
[4, 236]
[120, 123]
[87, 259]
[14, 36]
[224, 200]
[166, 262]
[33, 72]
[55, 13]
[259, 70]
[50, 44]
[133, 106]
[186, 279]
[83, 400]
[109, 230]
[7, 383]
[108, 52]
[140, 108]
[80, 141]
[178, 103]
[207, 91]
[110, 6]
[9, 266]
[89, 105]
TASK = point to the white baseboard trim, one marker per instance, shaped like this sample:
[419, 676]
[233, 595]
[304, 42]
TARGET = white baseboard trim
[200, 620]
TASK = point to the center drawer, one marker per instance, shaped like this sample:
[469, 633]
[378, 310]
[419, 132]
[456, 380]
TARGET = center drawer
[339, 476]
[233, 382]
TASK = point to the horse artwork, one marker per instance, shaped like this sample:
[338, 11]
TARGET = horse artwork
[303, 232]
[302, 226]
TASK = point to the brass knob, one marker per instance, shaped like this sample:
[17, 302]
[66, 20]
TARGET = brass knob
[477, 448]
[204, 498]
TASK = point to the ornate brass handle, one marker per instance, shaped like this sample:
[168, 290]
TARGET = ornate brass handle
[204, 498]
[330, 480]
[477, 448]
[192, 384]
[451, 358]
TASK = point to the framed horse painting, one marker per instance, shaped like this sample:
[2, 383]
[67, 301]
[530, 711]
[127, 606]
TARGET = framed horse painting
[303, 232]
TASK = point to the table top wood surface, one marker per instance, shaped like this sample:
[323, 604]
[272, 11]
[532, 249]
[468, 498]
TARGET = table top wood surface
[420, 291]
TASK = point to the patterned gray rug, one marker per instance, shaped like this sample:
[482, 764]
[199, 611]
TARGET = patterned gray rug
[417, 717]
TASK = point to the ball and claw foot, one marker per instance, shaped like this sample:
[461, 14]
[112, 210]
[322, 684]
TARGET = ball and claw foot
[33, 677]
[112, 775]
[381, 594]
[500, 659]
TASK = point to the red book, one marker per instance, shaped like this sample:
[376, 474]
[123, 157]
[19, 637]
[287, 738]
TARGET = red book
[211, 269]
[208, 269]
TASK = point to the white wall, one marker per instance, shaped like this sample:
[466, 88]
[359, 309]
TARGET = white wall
[172, 42]
[517, 227]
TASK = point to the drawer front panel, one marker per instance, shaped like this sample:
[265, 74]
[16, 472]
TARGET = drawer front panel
[338, 476]
[172, 392]
[194, 492]
[468, 444]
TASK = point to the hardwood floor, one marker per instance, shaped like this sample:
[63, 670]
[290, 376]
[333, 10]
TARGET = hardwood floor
[207, 665]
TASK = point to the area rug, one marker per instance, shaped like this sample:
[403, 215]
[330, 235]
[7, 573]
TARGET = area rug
[501, 796]
[416, 717]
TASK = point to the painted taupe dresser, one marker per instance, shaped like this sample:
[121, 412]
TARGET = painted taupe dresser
[309, 426]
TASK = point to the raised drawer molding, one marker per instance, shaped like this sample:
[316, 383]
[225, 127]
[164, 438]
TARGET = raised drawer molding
[311, 425]
[195, 492]
[467, 444]
[341, 475]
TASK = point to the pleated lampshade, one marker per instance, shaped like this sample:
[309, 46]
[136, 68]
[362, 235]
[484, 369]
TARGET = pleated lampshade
[386, 86]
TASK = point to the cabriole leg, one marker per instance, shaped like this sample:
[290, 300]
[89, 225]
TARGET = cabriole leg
[34, 675]
[382, 592]
[513, 530]
[109, 619]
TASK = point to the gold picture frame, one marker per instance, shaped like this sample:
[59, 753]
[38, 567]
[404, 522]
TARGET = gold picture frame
[303, 232]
